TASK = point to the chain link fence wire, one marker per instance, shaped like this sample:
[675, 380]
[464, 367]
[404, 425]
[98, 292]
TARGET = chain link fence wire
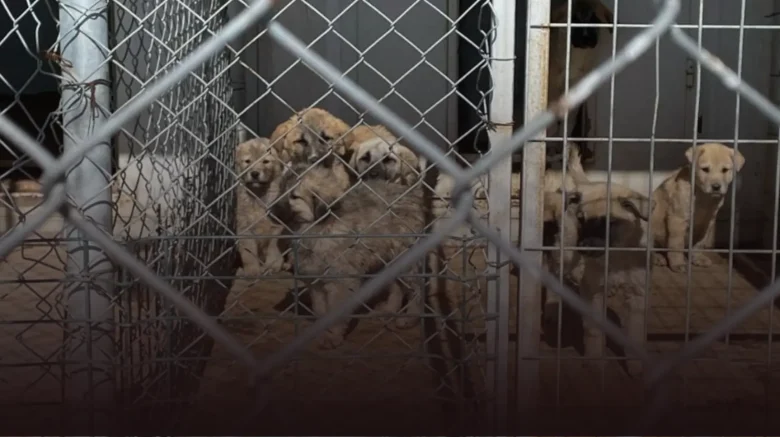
[145, 329]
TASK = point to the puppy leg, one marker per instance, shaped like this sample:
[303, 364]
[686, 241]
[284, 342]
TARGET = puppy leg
[336, 293]
[701, 259]
[635, 325]
[393, 303]
[676, 243]
[593, 335]
[250, 259]
[416, 306]
[274, 260]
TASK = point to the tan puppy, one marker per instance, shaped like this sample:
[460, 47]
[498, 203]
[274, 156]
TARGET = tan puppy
[376, 159]
[309, 135]
[626, 278]
[259, 168]
[715, 166]
[586, 45]
[362, 210]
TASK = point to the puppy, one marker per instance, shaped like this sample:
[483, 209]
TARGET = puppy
[713, 166]
[309, 135]
[376, 159]
[361, 210]
[259, 168]
[627, 276]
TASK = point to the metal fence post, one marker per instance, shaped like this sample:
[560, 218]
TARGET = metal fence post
[529, 297]
[502, 61]
[85, 105]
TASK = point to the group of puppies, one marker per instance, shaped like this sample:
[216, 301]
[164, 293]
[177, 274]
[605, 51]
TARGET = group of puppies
[316, 176]
[579, 213]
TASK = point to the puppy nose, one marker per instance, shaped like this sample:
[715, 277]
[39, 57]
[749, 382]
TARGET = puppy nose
[255, 174]
[373, 173]
[716, 187]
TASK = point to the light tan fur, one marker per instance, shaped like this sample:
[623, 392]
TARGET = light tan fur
[627, 276]
[309, 135]
[582, 59]
[715, 167]
[362, 210]
[560, 229]
[376, 159]
[259, 168]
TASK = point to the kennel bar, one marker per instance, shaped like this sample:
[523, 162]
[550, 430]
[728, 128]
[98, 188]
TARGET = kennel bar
[529, 293]
[502, 53]
[85, 105]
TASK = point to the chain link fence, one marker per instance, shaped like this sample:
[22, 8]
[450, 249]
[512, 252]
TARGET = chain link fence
[124, 282]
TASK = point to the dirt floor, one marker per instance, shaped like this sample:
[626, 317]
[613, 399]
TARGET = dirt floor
[427, 363]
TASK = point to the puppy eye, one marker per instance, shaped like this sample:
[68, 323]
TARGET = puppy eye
[388, 160]
[725, 169]
[247, 161]
[301, 142]
[325, 136]
[705, 169]
[295, 197]
[365, 158]
[266, 161]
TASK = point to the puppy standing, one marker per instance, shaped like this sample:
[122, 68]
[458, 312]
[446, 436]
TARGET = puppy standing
[586, 44]
[627, 276]
[714, 169]
[362, 210]
[259, 168]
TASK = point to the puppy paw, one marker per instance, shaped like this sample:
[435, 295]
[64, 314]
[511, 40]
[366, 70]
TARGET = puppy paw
[331, 340]
[253, 272]
[701, 260]
[634, 368]
[406, 322]
[659, 259]
[678, 268]
[274, 266]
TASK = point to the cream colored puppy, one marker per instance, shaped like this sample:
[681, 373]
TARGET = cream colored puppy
[376, 159]
[259, 169]
[713, 166]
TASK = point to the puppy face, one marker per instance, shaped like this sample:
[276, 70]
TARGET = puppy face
[628, 211]
[257, 163]
[715, 167]
[310, 135]
[376, 159]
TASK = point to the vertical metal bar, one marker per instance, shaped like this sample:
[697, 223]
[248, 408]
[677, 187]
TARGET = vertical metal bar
[774, 87]
[610, 149]
[529, 296]
[502, 65]
[733, 213]
[238, 73]
[689, 251]
[85, 104]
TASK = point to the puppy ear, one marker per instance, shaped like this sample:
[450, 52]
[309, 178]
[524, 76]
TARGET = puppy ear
[641, 207]
[739, 159]
[689, 153]
[604, 15]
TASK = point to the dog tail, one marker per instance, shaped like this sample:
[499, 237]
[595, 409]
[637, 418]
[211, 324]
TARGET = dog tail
[574, 164]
